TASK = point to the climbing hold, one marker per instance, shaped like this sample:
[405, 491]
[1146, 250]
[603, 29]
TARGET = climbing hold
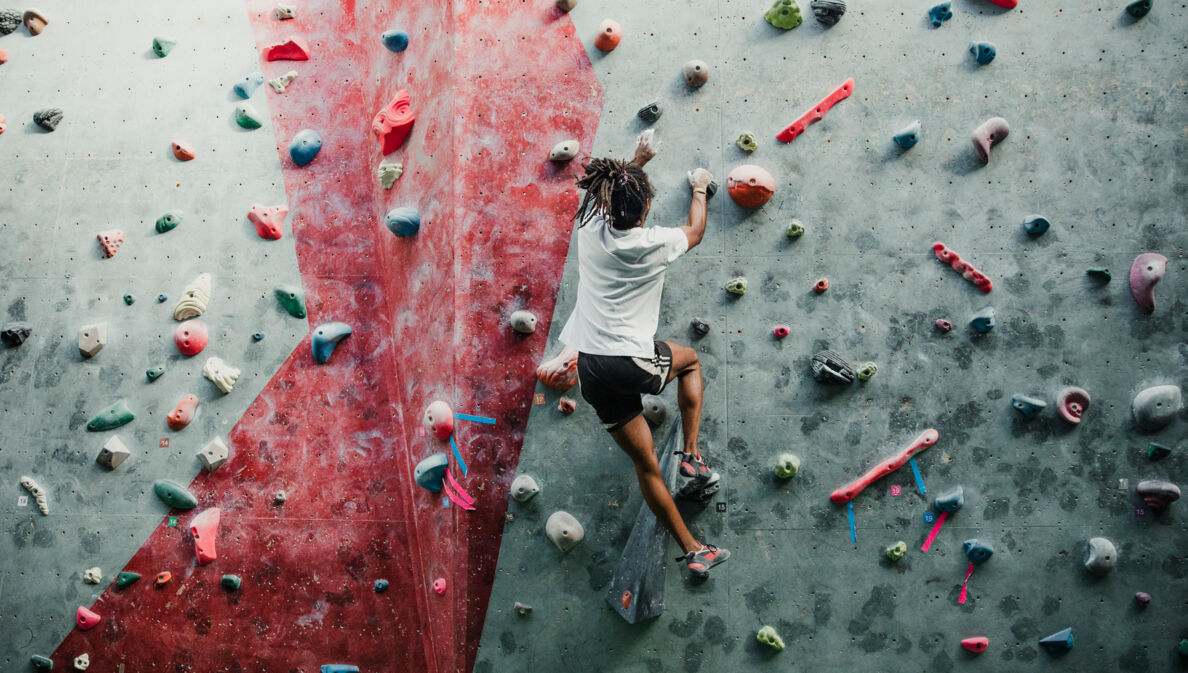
[1102, 275]
[161, 299]
[983, 321]
[977, 552]
[784, 14]
[563, 530]
[1157, 406]
[182, 150]
[204, 527]
[1100, 556]
[951, 501]
[1035, 225]
[566, 5]
[154, 373]
[430, 471]
[183, 413]
[214, 454]
[650, 112]
[403, 221]
[439, 419]
[129, 299]
[113, 453]
[231, 582]
[821, 285]
[49, 118]
[112, 417]
[523, 322]
[163, 45]
[566, 405]
[1157, 451]
[750, 186]
[270, 222]
[908, 137]
[524, 488]
[1142, 598]
[4, 56]
[292, 299]
[1028, 406]
[940, 14]
[305, 146]
[747, 142]
[988, 134]
[699, 326]
[896, 551]
[10, 20]
[190, 337]
[962, 267]
[829, 367]
[559, 372]
[292, 49]
[82, 662]
[1158, 494]
[768, 636]
[787, 465]
[39, 495]
[983, 52]
[279, 84]
[86, 619]
[817, 112]
[34, 21]
[41, 663]
[1071, 403]
[1145, 273]
[163, 578]
[325, 339]
[439, 586]
[978, 644]
[248, 85]
[380, 586]
[339, 668]
[393, 122]
[1059, 642]
[828, 12]
[279, 497]
[220, 373]
[126, 579]
[1008, 4]
[522, 609]
[564, 150]
[93, 575]
[1139, 8]
[696, 73]
[737, 286]
[247, 117]
[780, 331]
[866, 370]
[110, 240]
[795, 229]
[655, 410]
[257, 336]
[395, 40]
[92, 339]
[194, 300]
[284, 12]
[174, 494]
[15, 333]
[610, 33]
[389, 172]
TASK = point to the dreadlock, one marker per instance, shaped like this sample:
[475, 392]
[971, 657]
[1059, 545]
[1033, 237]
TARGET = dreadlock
[618, 189]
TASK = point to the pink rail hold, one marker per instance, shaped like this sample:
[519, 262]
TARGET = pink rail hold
[817, 113]
[962, 267]
[851, 490]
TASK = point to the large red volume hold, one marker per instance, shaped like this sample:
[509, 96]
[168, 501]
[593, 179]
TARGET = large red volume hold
[292, 49]
[393, 122]
[851, 490]
[204, 527]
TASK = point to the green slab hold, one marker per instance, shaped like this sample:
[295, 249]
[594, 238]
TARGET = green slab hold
[112, 417]
[784, 14]
[174, 494]
[1157, 451]
[292, 299]
[154, 373]
[1139, 9]
[169, 221]
[247, 117]
[125, 580]
[41, 663]
[231, 582]
[162, 46]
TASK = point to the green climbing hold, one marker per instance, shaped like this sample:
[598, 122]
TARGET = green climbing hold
[154, 373]
[1157, 451]
[866, 371]
[247, 117]
[41, 663]
[1139, 8]
[1102, 275]
[896, 551]
[737, 286]
[231, 582]
[768, 636]
[174, 494]
[126, 579]
[162, 46]
[169, 221]
[784, 14]
[112, 417]
[292, 299]
[787, 465]
[129, 299]
[1183, 649]
[795, 229]
[747, 142]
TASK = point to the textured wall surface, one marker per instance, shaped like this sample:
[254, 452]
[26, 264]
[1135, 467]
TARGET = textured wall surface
[1096, 107]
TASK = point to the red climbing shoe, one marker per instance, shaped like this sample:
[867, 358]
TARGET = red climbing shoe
[696, 480]
[699, 562]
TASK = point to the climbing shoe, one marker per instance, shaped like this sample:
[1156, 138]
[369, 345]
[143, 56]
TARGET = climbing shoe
[699, 562]
[696, 481]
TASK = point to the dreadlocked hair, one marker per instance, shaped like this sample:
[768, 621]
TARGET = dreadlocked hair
[619, 190]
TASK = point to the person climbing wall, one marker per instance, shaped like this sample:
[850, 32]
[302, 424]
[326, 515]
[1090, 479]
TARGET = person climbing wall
[613, 326]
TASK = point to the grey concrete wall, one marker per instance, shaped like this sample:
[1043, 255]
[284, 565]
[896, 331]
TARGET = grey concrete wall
[1095, 103]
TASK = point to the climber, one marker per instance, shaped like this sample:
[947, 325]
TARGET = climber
[621, 267]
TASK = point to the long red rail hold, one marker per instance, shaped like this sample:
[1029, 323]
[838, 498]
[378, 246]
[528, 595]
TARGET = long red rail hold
[851, 490]
[817, 113]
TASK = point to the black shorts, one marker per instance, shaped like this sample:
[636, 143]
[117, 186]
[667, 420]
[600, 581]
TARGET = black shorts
[613, 384]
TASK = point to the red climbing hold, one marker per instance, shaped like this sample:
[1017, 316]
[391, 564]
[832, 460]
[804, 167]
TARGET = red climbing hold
[560, 373]
[163, 578]
[817, 112]
[976, 644]
[851, 490]
[780, 331]
[190, 337]
[183, 413]
[610, 33]
[111, 240]
[439, 419]
[1008, 4]
[292, 49]
[392, 124]
[821, 285]
[204, 527]
[183, 151]
[962, 267]
[270, 222]
[3, 123]
[750, 186]
[439, 586]
[86, 619]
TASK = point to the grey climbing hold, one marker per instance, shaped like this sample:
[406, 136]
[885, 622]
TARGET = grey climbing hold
[429, 472]
[522, 609]
[154, 373]
[15, 333]
[1139, 8]
[113, 453]
[524, 488]
[896, 552]
[1028, 406]
[248, 85]
[1059, 642]
[325, 339]
[699, 326]
[1158, 494]
[564, 531]
[650, 112]
[214, 454]
[950, 501]
[1157, 451]
[866, 371]
[1036, 225]
[795, 229]
[174, 494]
[829, 367]
[787, 465]
[747, 142]
[828, 12]
[91, 339]
[696, 73]
[10, 20]
[93, 575]
[1100, 556]
[983, 52]
[380, 586]
[404, 221]
[977, 551]
[983, 321]
[523, 322]
[48, 118]
[940, 14]
[1157, 406]
[655, 410]
[737, 286]
[564, 150]
[908, 137]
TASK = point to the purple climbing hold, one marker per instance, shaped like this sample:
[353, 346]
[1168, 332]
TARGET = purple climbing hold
[1072, 402]
[1158, 494]
[1145, 273]
[1142, 598]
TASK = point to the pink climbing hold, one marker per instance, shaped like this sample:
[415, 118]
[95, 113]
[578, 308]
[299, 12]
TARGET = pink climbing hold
[978, 644]
[3, 123]
[560, 373]
[1071, 403]
[566, 405]
[204, 527]
[439, 586]
[1145, 273]
[292, 49]
[780, 331]
[1008, 4]
[944, 325]
[190, 337]
[439, 420]
[851, 490]
[86, 619]
[817, 113]
[270, 222]
[110, 240]
[988, 134]
[393, 123]
[183, 413]
[962, 267]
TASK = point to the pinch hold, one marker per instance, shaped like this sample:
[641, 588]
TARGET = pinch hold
[988, 134]
[325, 339]
[908, 137]
[1146, 271]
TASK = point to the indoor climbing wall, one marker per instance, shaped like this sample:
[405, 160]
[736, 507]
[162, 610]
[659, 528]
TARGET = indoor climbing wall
[1094, 103]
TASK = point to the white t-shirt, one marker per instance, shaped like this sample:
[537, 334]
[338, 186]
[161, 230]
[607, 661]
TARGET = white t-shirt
[621, 278]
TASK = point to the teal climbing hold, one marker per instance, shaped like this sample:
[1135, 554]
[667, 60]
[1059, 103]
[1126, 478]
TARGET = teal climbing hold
[41, 663]
[126, 579]
[326, 337]
[395, 40]
[784, 14]
[951, 501]
[983, 321]
[403, 221]
[908, 137]
[339, 668]
[305, 146]
[1139, 8]
[169, 221]
[292, 299]
[154, 373]
[940, 14]
[163, 45]
[380, 586]
[430, 471]
[231, 582]
[112, 417]
[248, 85]
[1035, 225]
[983, 52]
[174, 494]
[1102, 275]
[1028, 406]
[1059, 642]
[129, 299]
[1157, 451]
[977, 552]
[257, 336]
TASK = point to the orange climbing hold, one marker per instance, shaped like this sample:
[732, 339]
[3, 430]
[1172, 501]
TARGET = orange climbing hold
[560, 373]
[292, 49]
[270, 222]
[111, 240]
[821, 285]
[393, 123]
[610, 33]
[86, 619]
[3, 56]
[163, 578]
[183, 413]
[183, 151]
[204, 528]
[750, 186]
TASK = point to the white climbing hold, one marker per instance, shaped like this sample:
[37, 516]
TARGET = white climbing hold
[113, 453]
[214, 454]
[82, 662]
[194, 300]
[284, 11]
[220, 373]
[655, 410]
[389, 172]
[93, 575]
[524, 488]
[283, 81]
[564, 150]
[38, 493]
[523, 322]
[564, 530]
[1157, 406]
[1100, 556]
[92, 339]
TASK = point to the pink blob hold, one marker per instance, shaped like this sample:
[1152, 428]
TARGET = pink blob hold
[439, 586]
[86, 619]
[190, 337]
[750, 186]
[1071, 403]
[976, 644]
[204, 527]
[270, 222]
[183, 413]
[944, 325]
[990, 133]
[780, 331]
[1146, 271]
[439, 420]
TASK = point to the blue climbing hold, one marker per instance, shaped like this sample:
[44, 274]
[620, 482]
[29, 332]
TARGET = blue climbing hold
[395, 40]
[1035, 225]
[950, 502]
[1059, 642]
[258, 336]
[977, 552]
[305, 146]
[907, 138]
[326, 337]
[248, 85]
[381, 586]
[403, 221]
[940, 14]
[429, 472]
[1028, 406]
[983, 52]
[983, 321]
[339, 668]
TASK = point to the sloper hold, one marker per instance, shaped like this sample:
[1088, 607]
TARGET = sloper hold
[976, 551]
[34, 21]
[950, 501]
[1100, 556]
[610, 33]
[1059, 642]
[305, 146]
[908, 137]
[113, 454]
[1142, 598]
[940, 14]
[403, 221]
[1036, 225]
[220, 373]
[1139, 8]
[38, 493]
[983, 52]
[524, 488]
[191, 337]
[183, 413]
[110, 240]
[395, 40]
[523, 322]
[566, 5]
[977, 645]
[112, 417]
[696, 73]
[768, 636]
[430, 471]
[1146, 271]
[292, 299]
[1156, 406]
[48, 118]
[247, 86]
[126, 579]
[655, 410]
[86, 619]
[564, 150]
[380, 586]
[169, 221]
[988, 134]
[1072, 403]
[750, 186]
[828, 12]
[163, 45]
[1028, 406]
[1158, 494]
[91, 339]
[292, 49]
[784, 14]
[194, 299]
[269, 221]
[204, 527]
[247, 117]
[563, 530]
[326, 338]
[15, 333]
[393, 122]
[983, 321]
[214, 454]
[174, 494]
[438, 419]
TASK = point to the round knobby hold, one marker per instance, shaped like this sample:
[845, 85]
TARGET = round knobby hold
[564, 531]
[737, 286]
[10, 20]
[523, 322]
[780, 331]
[747, 142]
[129, 299]
[380, 586]
[940, 14]
[696, 73]
[821, 285]
[944, 325]
[1100, 556]
[787, 465]
[325, 339]
[566, 5]
[978, 644]
[438, 419]
[700, 326]
[908, 137]
[439, 586]
[896, 551]
[524, 488]
[566, 405]
[983, 321]
[191, 337]
[48, 118]
[163, 45]
[1139, 8]
[650, 112]
[1036, 225]
[169, 221]
[564, 150]
[1142, 598]
[429, 472]
[610, 33]
[866, 371]
[1157, 406]
[395, 40]
[247, 86]
[305, 146]
[983, 52]
[404, 221]
[795, 229]
[1146, 271]
[655, 410]
[1071, 403]
[247, 117]
[828, 12]
[784, 14]
[768, 636]
[750, 186]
